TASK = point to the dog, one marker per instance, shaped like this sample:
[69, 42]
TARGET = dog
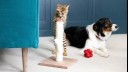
[92, 37]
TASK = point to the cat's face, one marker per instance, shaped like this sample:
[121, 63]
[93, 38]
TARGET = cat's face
[61, 10]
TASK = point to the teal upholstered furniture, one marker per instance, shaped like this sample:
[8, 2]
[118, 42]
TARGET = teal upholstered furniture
[19, 24]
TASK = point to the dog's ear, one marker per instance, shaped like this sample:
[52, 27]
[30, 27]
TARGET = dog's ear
[101, 32]
[98, 28]
[95, 27]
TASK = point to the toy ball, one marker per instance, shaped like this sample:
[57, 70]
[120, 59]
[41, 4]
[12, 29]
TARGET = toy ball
[88, 53]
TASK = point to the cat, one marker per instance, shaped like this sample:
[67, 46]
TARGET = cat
[61, 14]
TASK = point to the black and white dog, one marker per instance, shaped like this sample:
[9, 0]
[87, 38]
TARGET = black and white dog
[92, 37]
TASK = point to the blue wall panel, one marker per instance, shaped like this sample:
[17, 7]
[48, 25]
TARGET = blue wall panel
[84, 12]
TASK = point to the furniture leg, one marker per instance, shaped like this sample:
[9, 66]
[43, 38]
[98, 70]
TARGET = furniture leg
[24, 58]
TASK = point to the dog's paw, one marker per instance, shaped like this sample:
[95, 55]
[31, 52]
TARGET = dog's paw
[105, 55]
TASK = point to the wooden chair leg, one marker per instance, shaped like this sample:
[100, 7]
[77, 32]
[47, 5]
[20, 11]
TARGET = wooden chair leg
[24, 58]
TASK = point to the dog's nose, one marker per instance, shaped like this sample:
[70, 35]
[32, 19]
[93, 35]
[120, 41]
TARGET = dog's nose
[116, 27]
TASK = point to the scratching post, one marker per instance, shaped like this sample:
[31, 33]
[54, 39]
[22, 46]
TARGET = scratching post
[58, 60]
[59, 41]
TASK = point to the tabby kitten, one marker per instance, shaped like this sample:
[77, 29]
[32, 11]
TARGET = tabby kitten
[61, 14]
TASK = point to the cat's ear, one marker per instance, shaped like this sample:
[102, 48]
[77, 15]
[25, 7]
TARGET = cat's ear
[67, 6]
[58, 5]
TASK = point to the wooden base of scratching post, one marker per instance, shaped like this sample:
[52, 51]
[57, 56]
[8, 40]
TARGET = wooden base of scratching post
[50, 62]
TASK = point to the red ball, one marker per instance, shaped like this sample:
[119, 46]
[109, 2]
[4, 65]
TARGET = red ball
[88, 53]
